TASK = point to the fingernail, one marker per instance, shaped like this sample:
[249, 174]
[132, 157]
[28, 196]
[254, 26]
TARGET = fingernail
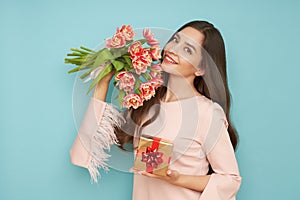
[169, 172]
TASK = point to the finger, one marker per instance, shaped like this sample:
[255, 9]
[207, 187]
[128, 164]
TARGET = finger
[149, 174]
[169, 173]
[135, 171]
[172, 173]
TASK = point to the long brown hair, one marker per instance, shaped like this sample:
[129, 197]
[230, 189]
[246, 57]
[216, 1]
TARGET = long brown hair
[214, 45]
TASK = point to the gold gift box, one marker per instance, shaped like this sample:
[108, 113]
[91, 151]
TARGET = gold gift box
[153, 155]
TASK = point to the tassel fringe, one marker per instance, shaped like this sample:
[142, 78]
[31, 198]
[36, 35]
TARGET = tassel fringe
[102, 141]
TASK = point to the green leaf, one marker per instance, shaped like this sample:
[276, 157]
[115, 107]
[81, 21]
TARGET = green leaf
[87, 49]
[74, 70]
[146, 76]
[121, 97]
[118, 65]
[119, 52]
[71, 60]
[103, 73]
[74, 54]
[143, 41]
[89, 61]
[103, 56]
[137, 85]
[78, 50]
[127, 67]
[127, 59]
[86, 74]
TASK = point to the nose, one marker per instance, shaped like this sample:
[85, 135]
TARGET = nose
[174, 49]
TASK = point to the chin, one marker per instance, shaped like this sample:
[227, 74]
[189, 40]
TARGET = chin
[171, 71]
[167, 68]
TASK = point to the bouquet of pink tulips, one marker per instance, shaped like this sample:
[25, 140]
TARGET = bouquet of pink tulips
[137, 66]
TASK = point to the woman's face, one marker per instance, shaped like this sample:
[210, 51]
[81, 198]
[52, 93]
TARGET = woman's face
[182, 55]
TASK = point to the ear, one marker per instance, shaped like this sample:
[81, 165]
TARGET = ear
[200, 72]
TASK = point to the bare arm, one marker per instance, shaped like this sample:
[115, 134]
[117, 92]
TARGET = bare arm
[192, 182]
[101, 88]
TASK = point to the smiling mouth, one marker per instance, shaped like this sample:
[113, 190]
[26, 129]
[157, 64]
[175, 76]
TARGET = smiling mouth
[170, 60]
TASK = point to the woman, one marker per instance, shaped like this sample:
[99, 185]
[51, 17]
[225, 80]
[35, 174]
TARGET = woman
[191, 110]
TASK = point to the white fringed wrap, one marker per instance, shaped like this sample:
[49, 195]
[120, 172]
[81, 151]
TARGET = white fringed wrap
[102, 140]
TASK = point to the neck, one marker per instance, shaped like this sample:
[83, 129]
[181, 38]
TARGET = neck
[180, 88]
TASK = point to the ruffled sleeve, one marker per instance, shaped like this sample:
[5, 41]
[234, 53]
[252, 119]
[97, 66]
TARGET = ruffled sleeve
[95, 136]
[225, 181]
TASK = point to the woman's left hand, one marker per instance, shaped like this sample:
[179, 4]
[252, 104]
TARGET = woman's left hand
[171, 177]
[193, 182]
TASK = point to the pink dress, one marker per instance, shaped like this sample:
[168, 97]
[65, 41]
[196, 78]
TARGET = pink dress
[198, 128]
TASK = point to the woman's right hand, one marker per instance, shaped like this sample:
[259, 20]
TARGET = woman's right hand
[102, 86]
[106, 79]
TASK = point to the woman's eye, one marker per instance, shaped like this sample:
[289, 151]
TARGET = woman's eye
[174, 39]
[188, 50]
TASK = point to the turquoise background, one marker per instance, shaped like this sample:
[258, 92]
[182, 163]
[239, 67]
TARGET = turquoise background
[37, 127]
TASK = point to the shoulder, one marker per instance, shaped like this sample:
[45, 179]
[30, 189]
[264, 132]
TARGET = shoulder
[217, 109]
[208, 104]
[216, 125]
[218, 114]
[213, 110]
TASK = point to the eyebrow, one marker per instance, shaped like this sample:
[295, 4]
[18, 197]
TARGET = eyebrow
[177, 35]
[190, 45]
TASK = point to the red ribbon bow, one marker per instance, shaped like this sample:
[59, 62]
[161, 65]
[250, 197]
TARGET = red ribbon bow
[152, 156]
